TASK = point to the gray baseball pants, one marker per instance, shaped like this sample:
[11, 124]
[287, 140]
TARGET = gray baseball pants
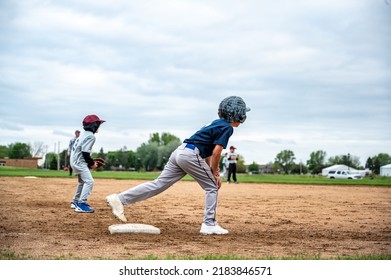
[84, 187]
[182, 161]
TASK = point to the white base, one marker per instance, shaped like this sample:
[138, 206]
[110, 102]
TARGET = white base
[133, 228]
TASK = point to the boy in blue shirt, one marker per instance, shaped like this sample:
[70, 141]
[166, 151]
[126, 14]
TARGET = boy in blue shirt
[198, 156]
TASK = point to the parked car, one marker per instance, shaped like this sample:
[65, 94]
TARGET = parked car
[344, 174]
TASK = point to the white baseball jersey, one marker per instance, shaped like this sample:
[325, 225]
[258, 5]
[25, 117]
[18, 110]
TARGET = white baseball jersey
[232, 157]
[83, 143]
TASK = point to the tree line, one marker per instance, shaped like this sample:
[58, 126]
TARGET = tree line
[153, 155]
[150, 156]
[285, 163]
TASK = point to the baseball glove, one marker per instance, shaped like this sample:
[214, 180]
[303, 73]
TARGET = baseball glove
[100, 162]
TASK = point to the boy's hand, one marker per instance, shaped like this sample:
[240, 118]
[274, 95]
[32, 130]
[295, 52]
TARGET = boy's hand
[95, 166]
[218, 180]
[98, 162]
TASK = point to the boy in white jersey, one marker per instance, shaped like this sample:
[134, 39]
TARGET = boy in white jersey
[232, 161]
[82, 162]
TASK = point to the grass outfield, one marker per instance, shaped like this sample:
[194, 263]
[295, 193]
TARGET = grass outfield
[245, 178]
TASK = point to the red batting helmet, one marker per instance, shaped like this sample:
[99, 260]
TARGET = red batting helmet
[91, 119]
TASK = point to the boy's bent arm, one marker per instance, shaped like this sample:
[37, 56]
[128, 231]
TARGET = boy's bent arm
[87, 157]
[215, 160]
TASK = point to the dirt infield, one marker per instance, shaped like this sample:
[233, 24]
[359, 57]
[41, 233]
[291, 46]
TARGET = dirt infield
[264, 221]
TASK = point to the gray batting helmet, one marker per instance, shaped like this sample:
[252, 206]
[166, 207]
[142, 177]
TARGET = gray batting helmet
[233, 109]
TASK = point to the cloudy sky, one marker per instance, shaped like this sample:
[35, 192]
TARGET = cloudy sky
[316, 74]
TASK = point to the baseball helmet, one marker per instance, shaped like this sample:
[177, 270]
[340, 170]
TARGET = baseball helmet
[92, 123]
[91, 119]
[233, 109]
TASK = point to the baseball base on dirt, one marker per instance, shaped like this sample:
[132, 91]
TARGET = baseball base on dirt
[133, 229]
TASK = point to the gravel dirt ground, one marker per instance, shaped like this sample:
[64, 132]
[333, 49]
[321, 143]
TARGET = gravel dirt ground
[264, 220]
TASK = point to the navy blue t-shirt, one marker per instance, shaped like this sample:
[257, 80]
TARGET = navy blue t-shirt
[216, 133]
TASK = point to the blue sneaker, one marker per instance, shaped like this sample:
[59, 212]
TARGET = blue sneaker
[84, 208]
[73, 205]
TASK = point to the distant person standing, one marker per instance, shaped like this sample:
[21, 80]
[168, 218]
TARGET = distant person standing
[232, 161]
[71, 142]
[225, 166]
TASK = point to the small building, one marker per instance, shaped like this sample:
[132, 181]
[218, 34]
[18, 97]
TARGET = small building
[385, 170]
[20, 162]
[266, 169]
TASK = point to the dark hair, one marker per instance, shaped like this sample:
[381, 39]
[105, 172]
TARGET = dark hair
[93, 127]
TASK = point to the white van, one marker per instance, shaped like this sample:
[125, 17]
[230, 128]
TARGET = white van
[344, 174]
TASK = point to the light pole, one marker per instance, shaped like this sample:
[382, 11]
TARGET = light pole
[58, 156]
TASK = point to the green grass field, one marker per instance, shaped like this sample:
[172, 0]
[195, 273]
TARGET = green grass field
[244, 178]
[6, 255]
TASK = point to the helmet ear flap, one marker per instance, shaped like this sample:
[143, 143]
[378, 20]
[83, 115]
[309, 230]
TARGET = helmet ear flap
[223, 114]
[220, 114]
[231, 116]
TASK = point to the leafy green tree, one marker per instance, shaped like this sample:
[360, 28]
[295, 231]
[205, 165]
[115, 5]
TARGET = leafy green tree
[63, 158]
[101, 154]
[369, 164]
[376, 166]
[168, 138]
[240, 167]
[154, 138]
[53, 163]
[299, 168]
[383, 158]
[162, 140]
[317, 161]
[349, 160]
[19, 150]
[50, 161]
[155, 153]
[334, 160]
[121, 159]
[380, 160]
[253, 168]
[4, 151]
[122, 156]
[148, 154]
[132, 160]
[165, 152]
[285, 160]
[111, 160]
